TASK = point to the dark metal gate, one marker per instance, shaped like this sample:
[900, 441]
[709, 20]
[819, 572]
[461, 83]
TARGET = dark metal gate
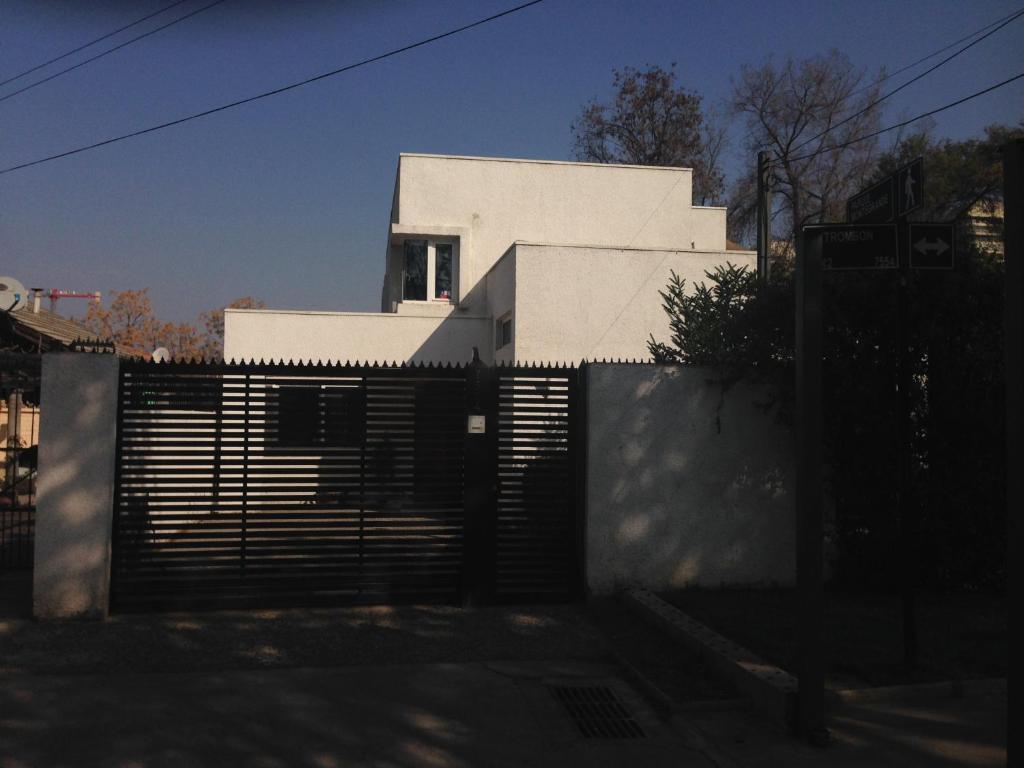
[268, 485]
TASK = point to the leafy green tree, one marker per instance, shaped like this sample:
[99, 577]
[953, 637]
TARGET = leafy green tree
[744, 329]
[960, 176]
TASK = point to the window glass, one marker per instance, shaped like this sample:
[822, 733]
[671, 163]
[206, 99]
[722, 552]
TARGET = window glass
[443, 271]
[502, 332]
[415, 270]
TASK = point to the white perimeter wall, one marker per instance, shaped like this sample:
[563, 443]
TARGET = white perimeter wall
[684, 488]
[75, 501]
[574, 303]
[350, 337]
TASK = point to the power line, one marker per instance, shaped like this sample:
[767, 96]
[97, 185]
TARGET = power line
[936, 111]
[913, 80]
[100, 55]
[92, 42]
[274, 92]
[901, 70]
[933, 54]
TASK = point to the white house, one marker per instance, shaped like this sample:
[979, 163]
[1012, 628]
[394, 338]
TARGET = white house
[537, 261]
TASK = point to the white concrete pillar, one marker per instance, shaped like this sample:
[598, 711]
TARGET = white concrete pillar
[75, 501]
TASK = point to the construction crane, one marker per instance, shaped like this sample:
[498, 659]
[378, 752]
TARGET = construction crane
[59, 293]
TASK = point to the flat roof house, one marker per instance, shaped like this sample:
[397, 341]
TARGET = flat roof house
[537, 261]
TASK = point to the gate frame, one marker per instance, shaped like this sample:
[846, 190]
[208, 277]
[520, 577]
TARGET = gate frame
[477, 580]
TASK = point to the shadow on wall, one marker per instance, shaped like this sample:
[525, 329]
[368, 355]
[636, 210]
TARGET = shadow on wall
[685, 486]
[453, 342]
[75, 485]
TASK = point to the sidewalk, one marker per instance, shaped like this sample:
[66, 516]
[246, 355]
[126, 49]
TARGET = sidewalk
[472, 715]
[904, 734]
[414, 686]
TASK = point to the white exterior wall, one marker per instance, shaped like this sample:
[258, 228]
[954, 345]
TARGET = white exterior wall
[75, 501]
[354, 336]
[620, 229]
[685, 487]
[574, 303]
[494, 202]
[500, 285]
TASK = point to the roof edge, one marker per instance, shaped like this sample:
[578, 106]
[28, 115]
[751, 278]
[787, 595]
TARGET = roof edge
[480, 158]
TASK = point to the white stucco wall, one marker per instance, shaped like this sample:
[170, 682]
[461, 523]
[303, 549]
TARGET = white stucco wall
[500, 285]
[574, 303]
[354, 336]
[75, 502]
[620, 229]
[496, 201]
[683, 489]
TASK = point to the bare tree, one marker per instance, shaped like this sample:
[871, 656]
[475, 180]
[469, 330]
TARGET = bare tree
[806, 113]
[653, 121]
[213, 325]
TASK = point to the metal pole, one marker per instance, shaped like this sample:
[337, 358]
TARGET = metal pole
[1013, 234]
[809, 554]
[764, 208]
[13, 444]
[905, 498]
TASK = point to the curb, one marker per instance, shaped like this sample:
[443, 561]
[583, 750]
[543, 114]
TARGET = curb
[657, 698]
[771, 689]
[667, 707]
[951, 689]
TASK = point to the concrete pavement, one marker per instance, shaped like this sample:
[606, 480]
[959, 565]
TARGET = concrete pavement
[916, 731]
[475, 714]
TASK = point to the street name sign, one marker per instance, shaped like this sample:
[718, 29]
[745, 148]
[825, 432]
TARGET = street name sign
[931, 246]
[854, 246]
[889, 199]
[875, 205]
[909, 187]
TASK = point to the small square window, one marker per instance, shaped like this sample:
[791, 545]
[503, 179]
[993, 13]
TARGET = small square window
[503, 331]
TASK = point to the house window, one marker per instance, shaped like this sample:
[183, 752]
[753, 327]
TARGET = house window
[503, 331]
[429, 271]
[415, 270]
[443, 271]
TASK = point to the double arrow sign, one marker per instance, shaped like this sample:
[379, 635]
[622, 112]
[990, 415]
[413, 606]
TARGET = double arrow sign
[870, 242]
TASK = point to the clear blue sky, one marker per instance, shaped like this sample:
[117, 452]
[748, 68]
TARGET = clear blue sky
[288, 199]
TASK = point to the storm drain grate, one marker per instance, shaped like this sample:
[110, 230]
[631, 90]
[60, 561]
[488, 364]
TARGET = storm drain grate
[597, 712]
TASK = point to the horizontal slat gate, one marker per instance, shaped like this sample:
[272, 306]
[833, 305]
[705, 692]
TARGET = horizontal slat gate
[536, 518]
[290, 485]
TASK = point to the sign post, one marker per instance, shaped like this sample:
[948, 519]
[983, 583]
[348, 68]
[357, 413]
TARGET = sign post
[871, 240]
[905, 503]
[1013, 234]
[810, 528]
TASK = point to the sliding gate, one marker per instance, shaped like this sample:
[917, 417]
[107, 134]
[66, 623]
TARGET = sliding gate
[278, 485]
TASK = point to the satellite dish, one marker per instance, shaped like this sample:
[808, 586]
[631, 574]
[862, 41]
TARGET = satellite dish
[161, 355]
[12, 294]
